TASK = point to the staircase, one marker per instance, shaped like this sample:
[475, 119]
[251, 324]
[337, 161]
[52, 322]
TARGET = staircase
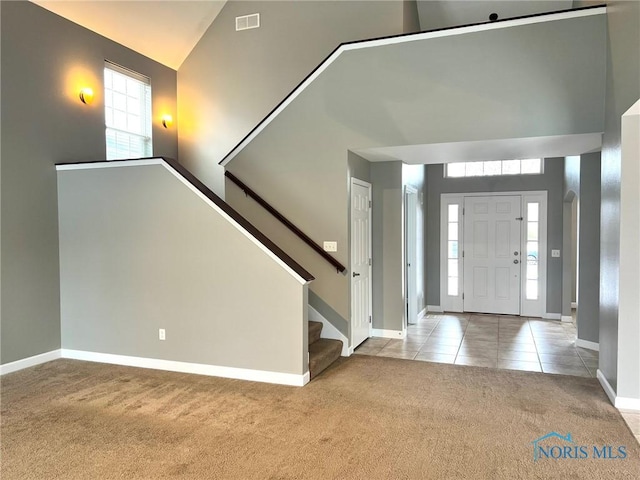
[322, 351]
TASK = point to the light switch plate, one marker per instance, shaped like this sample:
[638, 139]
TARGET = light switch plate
[555, 253]
[330, 246]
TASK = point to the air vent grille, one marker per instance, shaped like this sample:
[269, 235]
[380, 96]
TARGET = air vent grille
[247, 22]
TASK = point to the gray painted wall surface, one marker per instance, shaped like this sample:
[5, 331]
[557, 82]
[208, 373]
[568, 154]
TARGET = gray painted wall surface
[139, 251]
[589, 249]
[45, 61]
[623, 90]
[388, 300]
[416, 93]
[551, 181]
[231, 80]
[410, 16]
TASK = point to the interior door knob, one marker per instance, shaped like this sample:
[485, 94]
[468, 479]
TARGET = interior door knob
[356, 274]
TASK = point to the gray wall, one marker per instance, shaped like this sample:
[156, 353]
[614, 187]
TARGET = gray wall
[414, 93]
[140, 251]
[45, 61]
[551, 181]
[623, 90]
[388, 300]
[589, 249]
[231, 80]
[410, 16]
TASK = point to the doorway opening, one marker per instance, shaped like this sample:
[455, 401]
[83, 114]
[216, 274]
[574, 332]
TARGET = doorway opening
[493, 253]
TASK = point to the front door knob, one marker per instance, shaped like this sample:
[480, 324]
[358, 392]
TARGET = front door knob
[516, 261]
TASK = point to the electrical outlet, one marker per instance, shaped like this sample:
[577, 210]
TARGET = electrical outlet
[555, 253]
[330, 246]
[162, 335]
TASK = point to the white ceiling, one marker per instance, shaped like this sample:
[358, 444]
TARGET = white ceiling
[164, 30]
[503, 149]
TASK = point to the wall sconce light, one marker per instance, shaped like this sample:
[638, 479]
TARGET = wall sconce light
[86, 96]
[167, 121]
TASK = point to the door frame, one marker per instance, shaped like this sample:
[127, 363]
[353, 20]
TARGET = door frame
[368, 186]
[409, 190]
[527, 307]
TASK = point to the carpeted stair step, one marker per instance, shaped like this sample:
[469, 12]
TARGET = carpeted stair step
[322, 353]
[314, 331]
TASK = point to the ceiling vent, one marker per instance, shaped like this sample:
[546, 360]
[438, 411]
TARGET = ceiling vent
[247, 22]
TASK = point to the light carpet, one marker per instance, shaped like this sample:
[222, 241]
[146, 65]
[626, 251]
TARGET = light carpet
[363, 418]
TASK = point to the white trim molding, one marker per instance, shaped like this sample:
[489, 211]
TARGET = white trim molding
[435, 309]
[622, 403]
[449, 32]
[566, 318]
[29, 362]
[382, 333]
[422, 313]
[190, 186]
[552, 316]
[587, 344]
[291, 379]
[329, 331]
[574, 305]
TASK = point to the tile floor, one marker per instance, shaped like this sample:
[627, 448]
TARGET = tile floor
[515, 343]
[512, 343]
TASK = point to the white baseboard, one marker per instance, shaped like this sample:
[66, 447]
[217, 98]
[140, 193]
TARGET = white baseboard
[606, 387]
[587, 344]
[379, 332]
[292, 379]
[434, 309]
[566, 318]
[29, 362]
[422, 313]
[329, 331]
[551, 316]
[622, 403]
[574, 305]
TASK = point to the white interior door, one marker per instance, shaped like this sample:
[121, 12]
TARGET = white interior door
[360, 262]
[411, 254]
[491, 254]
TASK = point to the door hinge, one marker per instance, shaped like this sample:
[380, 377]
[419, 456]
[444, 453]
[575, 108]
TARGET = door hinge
[369, 318]
[519, 218]
[370, 203]
[462, 210]
[463, 295]
[369, 262]
[462, 253]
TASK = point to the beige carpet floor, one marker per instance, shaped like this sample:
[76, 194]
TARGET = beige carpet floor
[364, 418]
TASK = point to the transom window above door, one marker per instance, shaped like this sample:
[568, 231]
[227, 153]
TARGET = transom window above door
[529, 166]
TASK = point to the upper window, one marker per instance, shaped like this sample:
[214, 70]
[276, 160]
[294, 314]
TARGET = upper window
[527, 166]
[127, 105]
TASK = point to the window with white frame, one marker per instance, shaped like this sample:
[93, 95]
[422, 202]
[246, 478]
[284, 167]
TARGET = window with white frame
[533, 251]
[529, 166]
[127, 104]
[453, 280]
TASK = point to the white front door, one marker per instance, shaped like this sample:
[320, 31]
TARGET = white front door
[491, 254]
[360, 262]
[411, 254]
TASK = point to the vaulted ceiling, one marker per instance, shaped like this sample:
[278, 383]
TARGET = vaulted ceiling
[165, 31]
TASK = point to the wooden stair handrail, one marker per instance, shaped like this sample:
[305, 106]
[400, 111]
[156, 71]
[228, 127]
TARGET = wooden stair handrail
[286, 222]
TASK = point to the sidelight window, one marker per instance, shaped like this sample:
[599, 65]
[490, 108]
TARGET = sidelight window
[533, 251]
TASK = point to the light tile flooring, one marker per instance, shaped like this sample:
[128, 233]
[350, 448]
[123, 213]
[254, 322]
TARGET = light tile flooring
[515, 343]
[512, 343]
